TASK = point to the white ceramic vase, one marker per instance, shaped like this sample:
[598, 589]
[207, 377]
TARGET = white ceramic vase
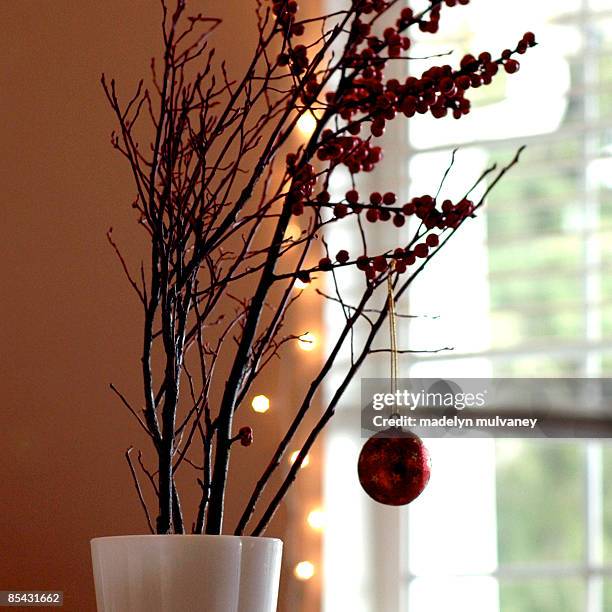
[186, 573]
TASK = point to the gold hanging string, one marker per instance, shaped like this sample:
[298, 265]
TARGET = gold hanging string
[392, 333]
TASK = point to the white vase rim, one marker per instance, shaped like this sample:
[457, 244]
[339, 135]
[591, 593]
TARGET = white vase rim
[185, 536]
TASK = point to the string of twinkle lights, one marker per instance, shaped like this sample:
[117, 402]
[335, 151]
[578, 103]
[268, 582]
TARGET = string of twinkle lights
[303, 570]
[315, 519]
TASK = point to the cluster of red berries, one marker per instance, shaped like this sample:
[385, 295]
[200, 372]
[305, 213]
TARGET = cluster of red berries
[392, 37]
[368, 7]
[431, 25]
[381, 208]
[400, 259]
[302, 186]
[393, 40]
[439, 90]
[450, 215]
[285, 12]
[296, 58]
[356, 154]
[368, 99]
[310, 89]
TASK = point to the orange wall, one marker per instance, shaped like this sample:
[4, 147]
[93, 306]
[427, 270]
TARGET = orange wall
[69, 324]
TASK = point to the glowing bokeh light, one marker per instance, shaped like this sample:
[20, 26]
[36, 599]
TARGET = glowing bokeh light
[304, 570]
[260, 404]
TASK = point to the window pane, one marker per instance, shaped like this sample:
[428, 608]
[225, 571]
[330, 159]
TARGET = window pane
[543, 595]
[545, 365]
[607, 508]
[545, 251]
[600, 5]
[606, 364]
[478, 594]
[451, 526]
[607, 594]
[515, 292]
[540, 490]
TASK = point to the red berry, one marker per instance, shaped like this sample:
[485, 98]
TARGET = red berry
[380, 263]
[409, 208]
[421, 250]
[375, 198]
[439, 112]
[427, 200]
[378, 127]
[363, 263]
[467, 60]
[400, 267]
[492, 69]
[447, 85]
[389, 33]
[375, 154]
[512, 66]
[372, 215]
[342, 256]
[408, 106]
[463, 82]
[399, 220]
[529, 38]
[323, 197]
[325, 264]
[384, 214]
[352, 196]
[406, 14]
[245, 435]
[340, 210]
[432, 240]
[422, 107]
[389, 198]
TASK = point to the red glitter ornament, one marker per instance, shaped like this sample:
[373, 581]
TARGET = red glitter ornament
[394, 467]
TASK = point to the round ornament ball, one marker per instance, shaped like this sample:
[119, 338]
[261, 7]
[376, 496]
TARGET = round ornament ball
[394, 467]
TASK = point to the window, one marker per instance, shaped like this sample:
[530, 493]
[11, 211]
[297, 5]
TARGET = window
[524, 290]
